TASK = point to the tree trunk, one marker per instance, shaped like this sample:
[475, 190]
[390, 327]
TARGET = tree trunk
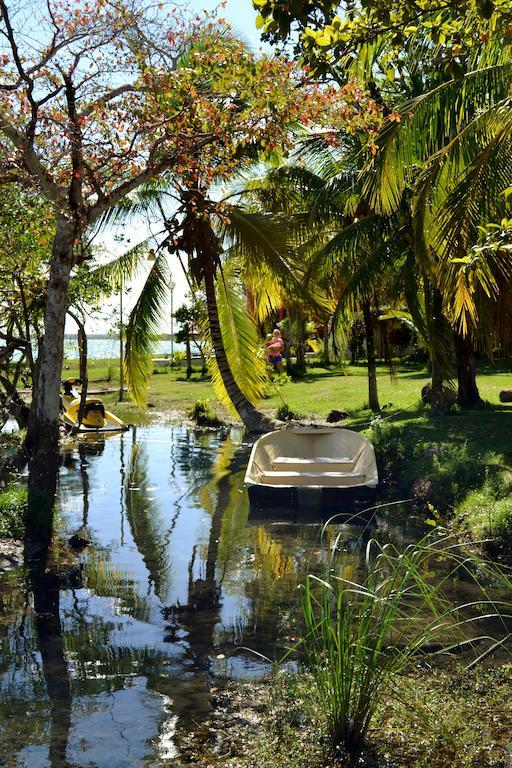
[204, 367]
[82, 365]
[288, 355]
[301, 346]
[43, 431]
[45, 589]
[82, 349]
[253, 419]
[187, 350]
[434, 304]
[468, 395]
[373, 397]
[11, 400]
[326, 344]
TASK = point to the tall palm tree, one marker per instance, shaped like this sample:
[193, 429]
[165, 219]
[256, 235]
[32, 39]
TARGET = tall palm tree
[449, 149]
[360, 257]
[222, 244]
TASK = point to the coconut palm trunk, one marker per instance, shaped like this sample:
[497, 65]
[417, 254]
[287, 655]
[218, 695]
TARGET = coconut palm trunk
[439, 330]
[254, 420]
[301, 345]
[326, 344]
[467, 395]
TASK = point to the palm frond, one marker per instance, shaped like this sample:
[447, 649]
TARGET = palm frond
[363, 276]
[144, 203]
[476, 198]
[125, 267]
[262, 245]
[142, 331]
[424, 126]
[412, 283]
[344, 248]
[326, 160]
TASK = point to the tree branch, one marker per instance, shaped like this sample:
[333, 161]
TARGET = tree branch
[128, 88]
[33, 164]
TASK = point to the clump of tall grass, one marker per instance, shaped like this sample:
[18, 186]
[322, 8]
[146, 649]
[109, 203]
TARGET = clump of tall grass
[361, 633]
[285, 413]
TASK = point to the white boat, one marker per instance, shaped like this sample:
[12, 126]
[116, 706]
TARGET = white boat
[330, 459]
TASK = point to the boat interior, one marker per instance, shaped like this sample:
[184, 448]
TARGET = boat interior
[327, 458]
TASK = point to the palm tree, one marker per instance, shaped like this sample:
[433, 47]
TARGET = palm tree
[361, 258]
[449, 150]
[224, 246]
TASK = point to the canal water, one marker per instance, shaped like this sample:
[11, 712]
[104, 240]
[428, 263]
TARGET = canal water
[182, 588]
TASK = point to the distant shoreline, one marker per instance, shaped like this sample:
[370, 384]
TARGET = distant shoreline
[113, 337]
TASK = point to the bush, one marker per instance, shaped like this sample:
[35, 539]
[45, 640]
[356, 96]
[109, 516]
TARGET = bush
[285, 413]
[457, 469]
[487, 512]
[178, 358]
[440, 473]
[203, 414]
[13, 512]
[391, 453]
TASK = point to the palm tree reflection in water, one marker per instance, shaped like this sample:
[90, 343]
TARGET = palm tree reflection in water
[201, 613]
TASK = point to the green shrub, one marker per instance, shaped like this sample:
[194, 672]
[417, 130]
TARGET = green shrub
[285, 413]
[178, 358]
[13, 512]
[391, 453]
[203, 414]
[501, 526]
[440, 473]
[487, 512]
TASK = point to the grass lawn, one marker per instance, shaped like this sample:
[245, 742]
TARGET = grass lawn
[320, 391]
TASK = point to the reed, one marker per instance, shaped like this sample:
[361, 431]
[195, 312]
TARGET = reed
[361, 633]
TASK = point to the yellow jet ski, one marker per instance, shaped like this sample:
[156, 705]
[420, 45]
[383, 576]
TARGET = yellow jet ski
[96, 417]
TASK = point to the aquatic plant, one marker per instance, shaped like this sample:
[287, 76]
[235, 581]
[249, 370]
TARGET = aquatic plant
[360, 634]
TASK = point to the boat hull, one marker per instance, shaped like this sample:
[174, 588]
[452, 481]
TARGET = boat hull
[311, 466]
[323, 498]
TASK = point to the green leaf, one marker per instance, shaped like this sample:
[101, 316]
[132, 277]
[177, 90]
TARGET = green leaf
[142, 331]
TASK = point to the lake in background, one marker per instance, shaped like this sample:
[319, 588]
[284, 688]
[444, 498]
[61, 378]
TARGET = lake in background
[100, 348]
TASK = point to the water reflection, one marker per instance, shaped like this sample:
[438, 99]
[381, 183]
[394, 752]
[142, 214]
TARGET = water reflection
[46, 596]
[118, 647]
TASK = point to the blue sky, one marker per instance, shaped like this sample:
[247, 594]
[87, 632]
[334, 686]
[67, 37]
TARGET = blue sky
[239, 13]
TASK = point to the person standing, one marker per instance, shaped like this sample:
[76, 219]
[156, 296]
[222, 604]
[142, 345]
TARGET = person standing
[275, 349]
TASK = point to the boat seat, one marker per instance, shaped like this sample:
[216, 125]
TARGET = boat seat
[315, 479]
[315, 464]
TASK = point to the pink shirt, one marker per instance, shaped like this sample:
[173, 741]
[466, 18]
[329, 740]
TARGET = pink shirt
[276, 345]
